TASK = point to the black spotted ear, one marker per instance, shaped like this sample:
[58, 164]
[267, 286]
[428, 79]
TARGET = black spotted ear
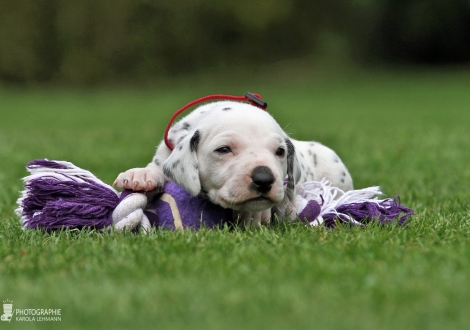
[182, 165]
[293, 169]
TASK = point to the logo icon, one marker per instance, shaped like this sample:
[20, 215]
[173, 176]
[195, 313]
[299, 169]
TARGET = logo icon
[7, 310]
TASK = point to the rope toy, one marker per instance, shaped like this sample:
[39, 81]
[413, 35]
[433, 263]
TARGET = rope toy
[58, 195]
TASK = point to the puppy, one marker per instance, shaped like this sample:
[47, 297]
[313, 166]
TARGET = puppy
[237, 156]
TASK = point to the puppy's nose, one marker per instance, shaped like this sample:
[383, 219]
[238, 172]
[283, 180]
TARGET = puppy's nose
[263, 178]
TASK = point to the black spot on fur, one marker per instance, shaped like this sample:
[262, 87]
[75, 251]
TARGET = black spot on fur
[301, 155]
[193, 143]
[336, 160]
[196, 167]
[342, 180]
[186, 126]
[180, 147]
[343, 173]
[181, 139]
[226, 109]
[309, 152]
[156, 161]
[315, 159]
[175, 163]
[167, 172]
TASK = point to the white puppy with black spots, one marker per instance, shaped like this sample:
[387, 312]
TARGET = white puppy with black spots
[237, 156]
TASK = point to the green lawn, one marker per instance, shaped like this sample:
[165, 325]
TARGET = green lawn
[407, 132]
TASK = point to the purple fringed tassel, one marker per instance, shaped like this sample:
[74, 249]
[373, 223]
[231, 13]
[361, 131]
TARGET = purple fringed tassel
[61, 195]
[44, 163]
[310, 212]
[385, 212]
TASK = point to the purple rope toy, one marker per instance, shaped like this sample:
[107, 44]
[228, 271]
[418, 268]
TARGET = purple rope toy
[58, 195]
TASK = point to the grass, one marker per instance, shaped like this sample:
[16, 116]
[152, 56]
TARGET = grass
[407, 132]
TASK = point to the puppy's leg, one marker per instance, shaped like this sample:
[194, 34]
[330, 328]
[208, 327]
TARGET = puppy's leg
[285, 210]
[141, 179]
[148, 178]
[252, 220]
[318, 161]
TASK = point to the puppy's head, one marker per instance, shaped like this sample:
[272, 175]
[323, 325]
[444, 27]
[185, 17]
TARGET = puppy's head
[238, 157]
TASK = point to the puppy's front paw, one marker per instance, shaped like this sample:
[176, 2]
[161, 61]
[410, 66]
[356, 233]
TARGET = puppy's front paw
[252, 220]
[140, 179]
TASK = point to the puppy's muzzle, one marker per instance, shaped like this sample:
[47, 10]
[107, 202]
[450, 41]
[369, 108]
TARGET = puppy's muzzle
[262, 178]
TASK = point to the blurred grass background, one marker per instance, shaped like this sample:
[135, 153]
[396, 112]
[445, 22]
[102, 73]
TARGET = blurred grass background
[95, 41]
[384, 83]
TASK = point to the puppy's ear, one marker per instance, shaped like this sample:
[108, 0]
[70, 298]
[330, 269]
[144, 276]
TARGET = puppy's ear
[293, 170]
[182, 165]
[285, 209]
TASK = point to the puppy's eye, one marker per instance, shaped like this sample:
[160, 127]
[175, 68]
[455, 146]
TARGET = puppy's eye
[280, 152]
[223, 150]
